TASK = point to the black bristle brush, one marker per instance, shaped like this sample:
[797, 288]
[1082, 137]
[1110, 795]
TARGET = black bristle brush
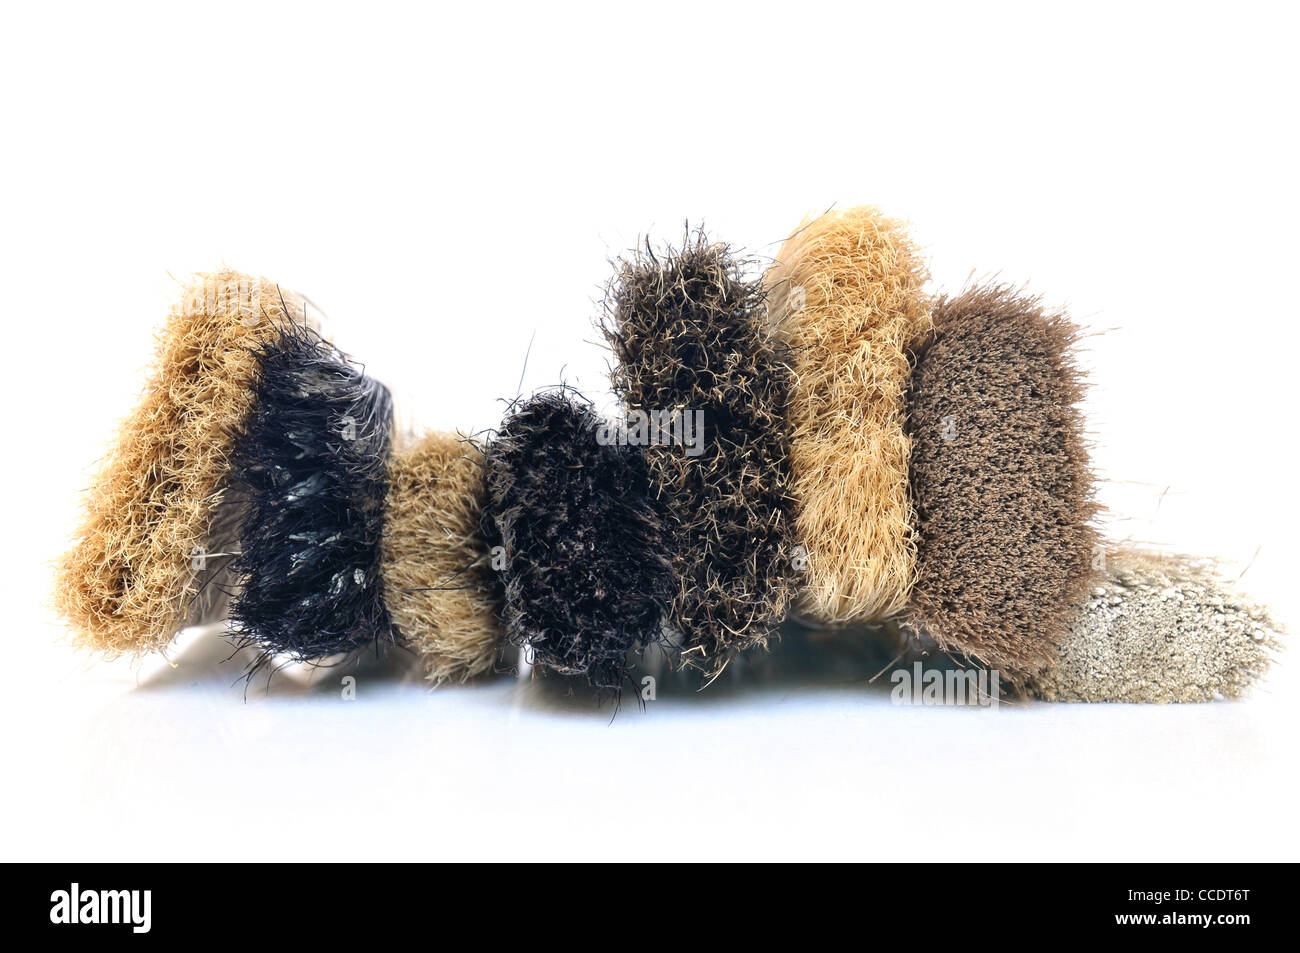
[586, 573]
[310, 469]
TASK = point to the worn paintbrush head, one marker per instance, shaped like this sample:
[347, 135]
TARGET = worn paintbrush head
[143, 555]
[438, 581]
[587, 574]
[693, 346]
[310, 469]
[847, 298]
[1001, 480]
[1159, 628]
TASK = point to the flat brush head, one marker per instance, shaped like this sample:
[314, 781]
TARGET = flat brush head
[1000, 479]
[439, 587]
[847, 298]
[690, 336]
[148, 547]
[586, 573]
[310, 468]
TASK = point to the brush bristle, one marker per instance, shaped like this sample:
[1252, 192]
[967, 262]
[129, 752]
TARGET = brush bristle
[437, 579]
[846, 294]
[690, 334]
[140, 568]
[586, 570]
[1001, 480]
[310, 467]
[1158, 629]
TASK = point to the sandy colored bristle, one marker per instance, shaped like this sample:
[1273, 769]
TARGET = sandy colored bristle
[1161, 628]
[1001, 480]
[437, 579]
[138, 562]
[846, 295]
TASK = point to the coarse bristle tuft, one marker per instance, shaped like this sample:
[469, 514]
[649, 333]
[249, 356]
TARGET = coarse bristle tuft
[847, 297]
[1161, 628]
[587, 573]
[438, 583]
[1001, 480]
[149, 546]
[691, 339]
[311, 470]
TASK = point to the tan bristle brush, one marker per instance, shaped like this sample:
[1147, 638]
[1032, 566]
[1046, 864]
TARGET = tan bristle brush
[438, 583]
[152, 537]
[846, 296]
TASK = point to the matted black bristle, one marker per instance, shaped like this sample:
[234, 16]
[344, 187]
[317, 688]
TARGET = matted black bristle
[311, 468]
[586, 573]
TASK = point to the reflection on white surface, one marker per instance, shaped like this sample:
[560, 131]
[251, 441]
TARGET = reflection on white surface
[187, 761]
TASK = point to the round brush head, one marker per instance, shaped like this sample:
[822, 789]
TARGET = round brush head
[1000, 479]
[586, 569]
[846, 295]
[694, 358]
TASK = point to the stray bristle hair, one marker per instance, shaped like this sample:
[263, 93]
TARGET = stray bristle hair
[586, 573]
[847, 297]
[438, 583]
[310, 468]
[691, 339]
[1001, 480]
[144, 553]
[1160, 628]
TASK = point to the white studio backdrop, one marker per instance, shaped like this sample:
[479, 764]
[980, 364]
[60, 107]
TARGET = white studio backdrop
[449, 184]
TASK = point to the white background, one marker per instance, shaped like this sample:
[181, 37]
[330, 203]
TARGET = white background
[447, 182]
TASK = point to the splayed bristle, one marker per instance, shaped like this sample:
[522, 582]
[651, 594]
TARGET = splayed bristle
[691, 339]
[586, 572]
[311, 469]
[847, 297]
[150, 544]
